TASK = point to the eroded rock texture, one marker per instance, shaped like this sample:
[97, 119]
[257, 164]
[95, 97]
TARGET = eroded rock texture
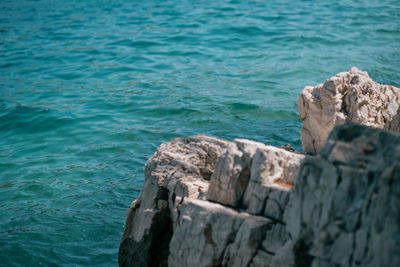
[178, 169]
[192, 215]
[242, 222]
[255, 178]
[394, 124]
[210, 202]
[348, 96]
[345, 205]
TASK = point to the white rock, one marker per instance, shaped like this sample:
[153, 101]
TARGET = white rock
[173, 222]
[210, 234]
[254, 177]
[348, 96]
[178, 169]
[272, 174]
[232, 173]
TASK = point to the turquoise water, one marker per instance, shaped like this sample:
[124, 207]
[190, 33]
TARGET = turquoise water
[89, 89]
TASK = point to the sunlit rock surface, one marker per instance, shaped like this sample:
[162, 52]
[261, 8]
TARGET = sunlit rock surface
[348, 96]
[210, 202]
[255, 178]
[178, 169]
[342, 211]
[177, 221]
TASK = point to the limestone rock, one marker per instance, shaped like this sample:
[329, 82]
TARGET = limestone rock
[344, 207]
[210, 234]
[210, 202]
[348, 96]
[174, 223]
[394, 124]
[254, 177]
[178, 169]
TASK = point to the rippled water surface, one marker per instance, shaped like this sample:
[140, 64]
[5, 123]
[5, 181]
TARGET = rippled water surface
[89, 89]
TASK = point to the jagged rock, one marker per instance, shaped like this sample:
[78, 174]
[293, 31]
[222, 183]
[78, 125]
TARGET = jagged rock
[210, 202]
[173, 223]
[344, 207]
[210, 234]
[178, 169]
[232, 173]
[394, 124]
[255, 178]
[348, 96]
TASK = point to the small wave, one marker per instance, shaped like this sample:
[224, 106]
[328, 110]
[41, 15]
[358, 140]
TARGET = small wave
[241, 30]
[134, 44]
[251, 111]
[22, 119]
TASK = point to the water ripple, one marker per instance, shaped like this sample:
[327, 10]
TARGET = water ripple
[89, 89]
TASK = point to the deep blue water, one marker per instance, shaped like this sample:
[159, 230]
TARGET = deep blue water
[89, 89]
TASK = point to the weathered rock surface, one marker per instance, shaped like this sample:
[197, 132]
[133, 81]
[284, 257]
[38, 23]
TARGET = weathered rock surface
[348, 96]
[178, 169]
[345, 205]
[176, 222]
[394, 124]
[210, 234]
[210, 202]
[343, 210]
[255, 178]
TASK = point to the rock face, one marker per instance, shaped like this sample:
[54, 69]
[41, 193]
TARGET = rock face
[255, 178]
[394, 124]
[210, 202]
[179, 169]
[348, 96]
[190, 213]
[250, 184]
[345, 205]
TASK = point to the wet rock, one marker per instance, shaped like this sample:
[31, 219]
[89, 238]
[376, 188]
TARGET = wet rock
[348, 96]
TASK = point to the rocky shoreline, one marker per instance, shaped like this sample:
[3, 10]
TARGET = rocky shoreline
[211, 202]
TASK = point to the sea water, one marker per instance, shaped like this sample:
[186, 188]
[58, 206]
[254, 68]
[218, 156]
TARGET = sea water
[90, 89]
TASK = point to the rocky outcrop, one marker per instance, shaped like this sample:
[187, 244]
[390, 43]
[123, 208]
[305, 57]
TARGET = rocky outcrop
[241, 222]
[178, 169]
[188, 212]
[394, 124]
[345, 203]
[348, 96]
[210, 202]
[254, 178]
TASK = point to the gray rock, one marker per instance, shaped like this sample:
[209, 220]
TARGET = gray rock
[271, 177]
[174, 223]
[210, 202]
[345, 203]
[232, 173]
[394, 124]
[252, 176]
[348, 96]
[210, 234]
[178, 169]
